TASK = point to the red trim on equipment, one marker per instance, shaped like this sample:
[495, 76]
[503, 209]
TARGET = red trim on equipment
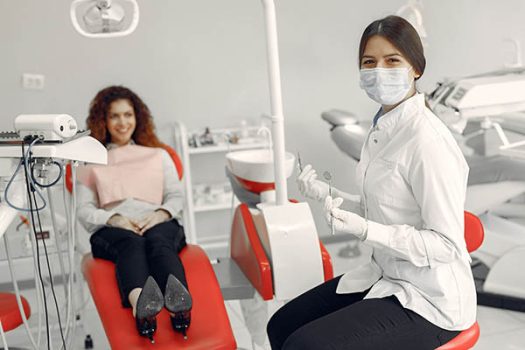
[247, 251]
[474, 235]
[328, 269]
[9, 313]
[464, 340]
[256, 187]
[69, 182]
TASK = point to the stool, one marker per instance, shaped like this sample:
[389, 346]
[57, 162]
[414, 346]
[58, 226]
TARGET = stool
[474, 235]
[10, 317]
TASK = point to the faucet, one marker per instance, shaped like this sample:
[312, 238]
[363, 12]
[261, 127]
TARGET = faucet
[265, 130]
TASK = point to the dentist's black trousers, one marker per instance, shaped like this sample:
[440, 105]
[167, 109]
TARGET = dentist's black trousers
[321, 319]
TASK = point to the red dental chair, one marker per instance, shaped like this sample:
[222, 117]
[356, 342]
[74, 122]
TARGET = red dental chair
[210, 327]
[474, 237]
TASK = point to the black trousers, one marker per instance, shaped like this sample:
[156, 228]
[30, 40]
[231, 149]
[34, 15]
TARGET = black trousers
[137, 257]
[322, 319]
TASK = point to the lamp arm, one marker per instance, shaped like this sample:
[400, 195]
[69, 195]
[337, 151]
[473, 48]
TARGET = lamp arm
[277, 117]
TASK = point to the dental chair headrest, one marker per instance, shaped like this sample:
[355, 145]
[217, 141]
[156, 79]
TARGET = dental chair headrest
[338, 117]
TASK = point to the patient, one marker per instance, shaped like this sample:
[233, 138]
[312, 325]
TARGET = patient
[131, 208]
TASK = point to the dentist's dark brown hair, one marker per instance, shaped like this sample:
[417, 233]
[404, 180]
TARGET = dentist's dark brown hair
[402, 35]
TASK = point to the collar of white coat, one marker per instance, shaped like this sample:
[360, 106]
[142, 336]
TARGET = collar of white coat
[390, 119]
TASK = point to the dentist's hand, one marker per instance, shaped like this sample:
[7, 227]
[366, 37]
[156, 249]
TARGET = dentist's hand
[344, 221]
[309, 185]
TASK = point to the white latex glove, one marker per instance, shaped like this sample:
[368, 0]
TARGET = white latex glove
[344, 221]
[309, 185]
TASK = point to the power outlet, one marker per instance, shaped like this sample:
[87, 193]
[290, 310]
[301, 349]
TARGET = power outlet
[33, 81]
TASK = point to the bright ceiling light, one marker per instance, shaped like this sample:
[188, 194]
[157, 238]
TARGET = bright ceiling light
[104, 18]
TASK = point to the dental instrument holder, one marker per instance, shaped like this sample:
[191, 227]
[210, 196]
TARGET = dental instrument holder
[328, 177]
[84, 148]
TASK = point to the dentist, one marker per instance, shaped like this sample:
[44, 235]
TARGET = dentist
[418, 290]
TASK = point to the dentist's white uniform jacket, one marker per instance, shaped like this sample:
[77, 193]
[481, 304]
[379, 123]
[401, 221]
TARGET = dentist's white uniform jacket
[413, 179]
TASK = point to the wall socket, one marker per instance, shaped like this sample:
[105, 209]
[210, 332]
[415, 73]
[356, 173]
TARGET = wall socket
[33, 81]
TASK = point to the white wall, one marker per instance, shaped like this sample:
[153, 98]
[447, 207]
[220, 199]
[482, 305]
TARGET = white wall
[202, 62]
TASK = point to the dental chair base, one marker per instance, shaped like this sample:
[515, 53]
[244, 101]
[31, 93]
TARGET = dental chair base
[278, 257]
[210, 327]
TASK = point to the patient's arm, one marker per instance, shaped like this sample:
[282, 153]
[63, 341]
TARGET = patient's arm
[91, 217]
[173, 195]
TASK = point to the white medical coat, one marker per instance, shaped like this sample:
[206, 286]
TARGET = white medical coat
[413, 178]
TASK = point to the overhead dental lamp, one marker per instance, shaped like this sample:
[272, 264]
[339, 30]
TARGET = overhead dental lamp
[104, 18]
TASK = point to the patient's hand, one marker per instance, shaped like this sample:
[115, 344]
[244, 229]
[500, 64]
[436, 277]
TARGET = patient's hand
[120, 221]
[152, 219]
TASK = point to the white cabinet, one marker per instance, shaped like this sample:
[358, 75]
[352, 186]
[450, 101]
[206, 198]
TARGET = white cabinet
[209, 198]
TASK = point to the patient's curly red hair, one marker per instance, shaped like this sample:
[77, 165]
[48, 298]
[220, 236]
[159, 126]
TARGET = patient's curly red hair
[144, 133]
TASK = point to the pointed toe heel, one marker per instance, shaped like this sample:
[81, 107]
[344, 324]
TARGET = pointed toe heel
[149, 304]
[178, 301]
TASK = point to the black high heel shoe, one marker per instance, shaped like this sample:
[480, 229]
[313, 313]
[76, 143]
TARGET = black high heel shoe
[149, 304]
[178, 301]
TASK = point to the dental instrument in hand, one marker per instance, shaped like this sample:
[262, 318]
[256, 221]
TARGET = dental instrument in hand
[328, 177]
[299, 162]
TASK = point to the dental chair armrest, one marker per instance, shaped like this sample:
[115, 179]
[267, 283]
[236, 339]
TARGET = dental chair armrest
[484, 197]
[510, 210]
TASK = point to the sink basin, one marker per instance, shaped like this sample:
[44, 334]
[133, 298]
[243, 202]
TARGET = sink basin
[257, 165]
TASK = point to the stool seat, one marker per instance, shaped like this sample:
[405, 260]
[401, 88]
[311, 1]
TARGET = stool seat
[210, 327]
[464, 340]
[9, 313]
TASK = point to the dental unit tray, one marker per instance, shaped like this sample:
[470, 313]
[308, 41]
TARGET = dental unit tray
[483, 95]
[13, 138]
[79, 148]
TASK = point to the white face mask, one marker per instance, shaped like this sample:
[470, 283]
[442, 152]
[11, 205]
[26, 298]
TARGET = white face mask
[386, 86]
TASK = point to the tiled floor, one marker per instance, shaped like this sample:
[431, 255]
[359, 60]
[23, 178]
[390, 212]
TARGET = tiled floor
[500, 329]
